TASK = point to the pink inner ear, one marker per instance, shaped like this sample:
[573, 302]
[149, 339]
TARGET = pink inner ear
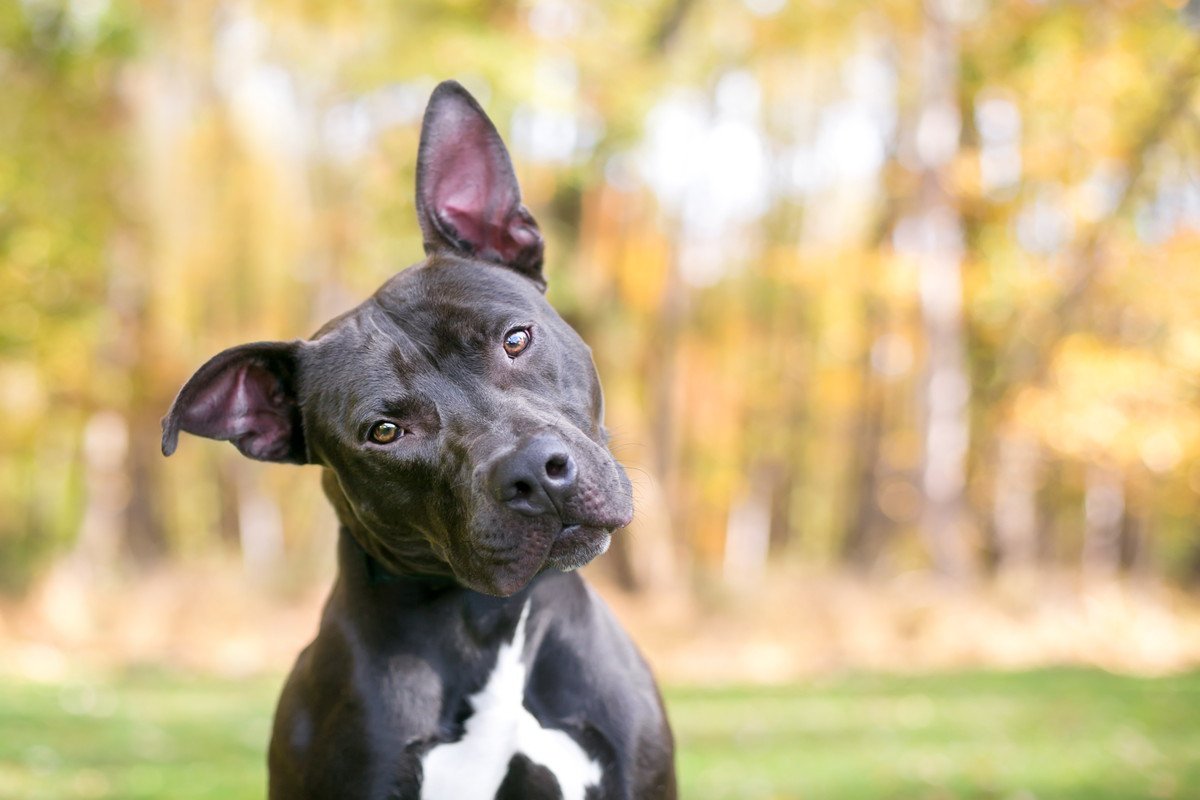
[245, 405]
[473, 193]
[467, 192]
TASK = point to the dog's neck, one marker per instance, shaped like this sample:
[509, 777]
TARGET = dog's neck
[382, 605]
[362, 575]
[414, 560]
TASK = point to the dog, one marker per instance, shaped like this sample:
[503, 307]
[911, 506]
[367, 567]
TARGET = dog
[458, 422]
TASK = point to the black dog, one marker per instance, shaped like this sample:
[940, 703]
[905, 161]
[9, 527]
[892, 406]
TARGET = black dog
[458, 422]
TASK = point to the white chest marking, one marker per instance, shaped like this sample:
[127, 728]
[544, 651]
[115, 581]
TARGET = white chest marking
[500, 727]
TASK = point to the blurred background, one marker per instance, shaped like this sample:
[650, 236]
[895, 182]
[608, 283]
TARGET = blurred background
[895, 305]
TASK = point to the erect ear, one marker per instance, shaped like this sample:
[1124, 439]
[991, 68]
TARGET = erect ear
[467, 194]
[245, 395]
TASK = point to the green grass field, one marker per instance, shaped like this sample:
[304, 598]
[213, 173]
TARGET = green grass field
[1009, 736]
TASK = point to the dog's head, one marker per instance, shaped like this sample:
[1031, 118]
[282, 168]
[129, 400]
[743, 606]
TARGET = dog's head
[459, 417]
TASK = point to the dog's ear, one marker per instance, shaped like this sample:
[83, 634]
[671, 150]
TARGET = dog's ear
[467, 194]
[245, 395]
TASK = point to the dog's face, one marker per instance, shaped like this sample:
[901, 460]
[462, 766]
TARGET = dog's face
[459, 417]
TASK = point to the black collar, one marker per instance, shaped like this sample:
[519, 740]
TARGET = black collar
[378, 574]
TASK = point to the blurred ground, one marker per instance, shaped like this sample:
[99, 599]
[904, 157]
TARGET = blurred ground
[213, 617]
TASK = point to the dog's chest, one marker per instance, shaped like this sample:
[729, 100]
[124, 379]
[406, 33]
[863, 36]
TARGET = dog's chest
[504, 751]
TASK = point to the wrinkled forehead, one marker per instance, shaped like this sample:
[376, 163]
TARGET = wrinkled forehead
[447, 303]
[439, 320]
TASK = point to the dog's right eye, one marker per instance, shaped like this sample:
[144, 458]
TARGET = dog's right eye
[515, 341]
[385, 432]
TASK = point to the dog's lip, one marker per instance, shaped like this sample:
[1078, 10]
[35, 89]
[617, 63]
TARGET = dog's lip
[609, 524]
[577, 544]
[570, 529]
[573, 532]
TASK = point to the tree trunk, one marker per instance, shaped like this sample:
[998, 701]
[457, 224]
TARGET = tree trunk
[937, 227]
[133, 353]
[1014, 513]
[863, 538]
[748, 532]
[661, 383]
[106, 487]
[1104, 514]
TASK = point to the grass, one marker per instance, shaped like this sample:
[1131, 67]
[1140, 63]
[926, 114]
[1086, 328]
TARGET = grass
[1012, 736]
[1009, 736]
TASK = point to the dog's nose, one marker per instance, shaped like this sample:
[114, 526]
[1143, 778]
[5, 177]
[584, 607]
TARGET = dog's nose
[535, 478]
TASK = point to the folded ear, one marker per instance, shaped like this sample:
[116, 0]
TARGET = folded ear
[467, 194]
[245, 395]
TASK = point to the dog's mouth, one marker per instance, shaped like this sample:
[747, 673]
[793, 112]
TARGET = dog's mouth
[576, 544]
[570, 546]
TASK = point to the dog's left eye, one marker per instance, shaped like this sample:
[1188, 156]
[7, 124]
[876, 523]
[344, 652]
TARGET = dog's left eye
[515, 341]
[385, 432]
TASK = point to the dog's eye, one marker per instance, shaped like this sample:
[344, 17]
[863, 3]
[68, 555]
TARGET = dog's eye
[385, 432]
[515, 341]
